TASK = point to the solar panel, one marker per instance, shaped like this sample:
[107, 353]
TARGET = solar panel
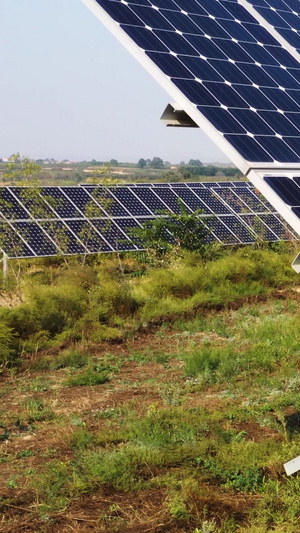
[233, 68]
[76, 229]
[217, 61]
[36, 238]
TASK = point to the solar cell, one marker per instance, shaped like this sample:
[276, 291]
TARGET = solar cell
[150, 199]
[129, 200]
[106, 199]
[279, 227]
[251, 200]
[169, 197]
[191, 200]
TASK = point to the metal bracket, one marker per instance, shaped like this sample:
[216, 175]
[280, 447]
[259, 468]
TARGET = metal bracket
[174, 115]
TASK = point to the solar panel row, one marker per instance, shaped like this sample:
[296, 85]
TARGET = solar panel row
[91, 219]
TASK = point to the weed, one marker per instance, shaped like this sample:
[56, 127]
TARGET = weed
[170, 393]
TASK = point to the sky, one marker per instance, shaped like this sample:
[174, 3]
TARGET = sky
[70, 90]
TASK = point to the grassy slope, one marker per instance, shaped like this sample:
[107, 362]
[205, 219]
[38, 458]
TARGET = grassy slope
[183, 427]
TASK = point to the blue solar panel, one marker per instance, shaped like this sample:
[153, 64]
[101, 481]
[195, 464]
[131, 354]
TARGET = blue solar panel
[12, 244]
[213, 203]
[36, 238]
[64, 239]
[10, 207]
[232, 200]
[227, 64]
[33, 202]
[59, 202]
[83, 201]
[113, 235]
[88, 236]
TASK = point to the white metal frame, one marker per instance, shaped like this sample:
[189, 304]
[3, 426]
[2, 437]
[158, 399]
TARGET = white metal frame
[254, 171]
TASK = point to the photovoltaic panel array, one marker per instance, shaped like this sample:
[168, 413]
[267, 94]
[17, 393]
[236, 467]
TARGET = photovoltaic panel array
[50, 221]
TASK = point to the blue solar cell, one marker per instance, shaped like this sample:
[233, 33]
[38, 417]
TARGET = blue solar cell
[207, 47]
[279, 150]
[261, 230]
[222, 120]
[105, 198]
[201, 68]
[252, 121]
[145, 38]
[286, 189]
[282, 230]
[249, 148]
[175, 42]
[191, 200]
[251, 200]
[170, 65]
[169, 197]
[212, 202]
[120, 12]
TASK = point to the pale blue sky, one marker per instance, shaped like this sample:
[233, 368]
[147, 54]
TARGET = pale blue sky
[69, 90]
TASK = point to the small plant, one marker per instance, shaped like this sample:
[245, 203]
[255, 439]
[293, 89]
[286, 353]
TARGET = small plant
[92, 376]
[170, 393]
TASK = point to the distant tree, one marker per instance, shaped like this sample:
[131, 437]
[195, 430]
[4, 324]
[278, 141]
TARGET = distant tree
[148, 162]
[142, 163]
[157, 162]
[195, 163]
[171, 177]
[113, 163]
